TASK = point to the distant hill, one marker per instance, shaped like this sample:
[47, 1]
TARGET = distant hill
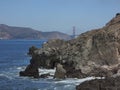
[10, 32]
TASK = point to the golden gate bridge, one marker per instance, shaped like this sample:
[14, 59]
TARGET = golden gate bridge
[74, 35]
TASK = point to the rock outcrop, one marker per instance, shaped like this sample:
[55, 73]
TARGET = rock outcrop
[100, 84]
[31, 71]
[93, 53]
[60, 72]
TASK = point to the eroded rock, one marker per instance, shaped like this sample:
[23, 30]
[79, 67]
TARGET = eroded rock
[60, 72]
[85, 55]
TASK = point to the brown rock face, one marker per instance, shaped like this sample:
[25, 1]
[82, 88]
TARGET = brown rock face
[94, 53]
[100, 84]
[60, 72]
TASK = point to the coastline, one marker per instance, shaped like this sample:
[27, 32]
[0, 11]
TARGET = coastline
[93, 53]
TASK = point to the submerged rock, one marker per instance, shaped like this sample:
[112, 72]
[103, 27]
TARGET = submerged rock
[93, 53]
[45, 75]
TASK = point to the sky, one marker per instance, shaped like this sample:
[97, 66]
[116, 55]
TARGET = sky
[58, 15]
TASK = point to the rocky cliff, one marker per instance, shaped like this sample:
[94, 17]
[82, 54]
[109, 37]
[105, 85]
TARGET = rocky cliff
[100, 84]
[93, 53]
[12, 32]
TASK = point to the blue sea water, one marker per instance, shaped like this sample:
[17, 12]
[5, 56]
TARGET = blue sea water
[14, 58]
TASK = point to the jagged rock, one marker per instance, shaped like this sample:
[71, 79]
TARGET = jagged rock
[30, 71]
[60, 72]
[31, 50]
[85, 55]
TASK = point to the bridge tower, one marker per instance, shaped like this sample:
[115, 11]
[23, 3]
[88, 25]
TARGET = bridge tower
[74, 31]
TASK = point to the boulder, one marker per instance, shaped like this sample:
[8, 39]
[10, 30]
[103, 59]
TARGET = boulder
[30, 71]
[60, 72]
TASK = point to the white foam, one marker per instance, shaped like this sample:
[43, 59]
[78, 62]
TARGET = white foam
[7, 76]
[45, 71]
[75, 81]
[67, 86]
[1, 74]
[21, 68]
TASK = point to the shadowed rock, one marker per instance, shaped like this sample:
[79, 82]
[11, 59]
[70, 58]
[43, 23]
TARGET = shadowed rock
[45, 75]
[30, 71]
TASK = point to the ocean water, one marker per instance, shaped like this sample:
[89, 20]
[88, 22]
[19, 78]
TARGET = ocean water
[14, 58]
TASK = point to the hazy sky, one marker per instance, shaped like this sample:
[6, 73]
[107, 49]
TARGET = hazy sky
[58, 15]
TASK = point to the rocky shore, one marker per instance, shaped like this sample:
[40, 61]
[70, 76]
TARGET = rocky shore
[100, 84]
[93, 53]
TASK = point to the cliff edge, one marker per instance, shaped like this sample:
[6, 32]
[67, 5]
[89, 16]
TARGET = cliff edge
[93, 53]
